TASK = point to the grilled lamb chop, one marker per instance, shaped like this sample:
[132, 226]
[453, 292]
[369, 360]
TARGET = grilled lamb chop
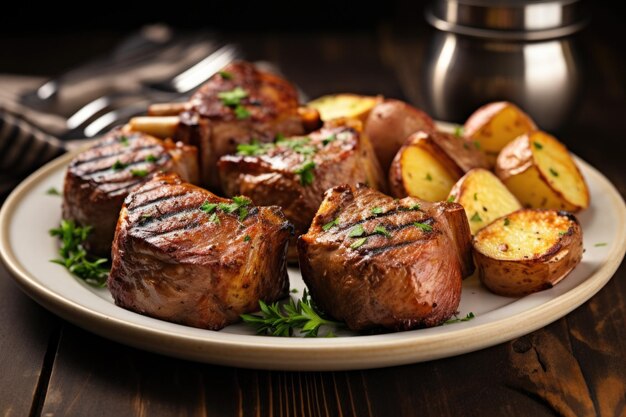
[184, 255]
[375, 262]
[294, 173]
[98, 179]
[236, 105]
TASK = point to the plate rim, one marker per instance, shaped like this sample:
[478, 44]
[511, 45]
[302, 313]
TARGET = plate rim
[286, 354]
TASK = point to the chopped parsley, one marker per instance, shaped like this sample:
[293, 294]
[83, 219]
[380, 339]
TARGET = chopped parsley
[118, 166]
[329, 139]
[53, 191]
[214, 218]
[151, 158]
[356, 231]
[477, 144]
[476, 217]
[305, 171]
[358, 243]
[294, 291]
[429, 177]
[279, 137]
[253, 148]
[537, 145]
[226, 75]
[140, 173]
[233, 97]
[241, 112]
[554, 172]
[507, 221]
[377, 210]
[457, 319]
[459, 131]
[475, 196]
[208, 208]
[238, 206]
[247, 238]
[124, 140]
[413, 207]
[425, 227]
[451, 198]
[381, 230]
[331, 224]
[597, 245]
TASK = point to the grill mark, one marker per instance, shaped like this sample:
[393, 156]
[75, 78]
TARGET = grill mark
[380, 249]
[132, 184]
[166, 215]
[121, 152]
[157, 200]
[147, 190]
[115, 138]
[91, 174]
[343, 227]
[187, 226]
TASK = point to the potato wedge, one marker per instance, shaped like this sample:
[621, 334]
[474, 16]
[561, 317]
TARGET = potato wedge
[484, 198]
[527, 251]
[336, 106]
[461, 151]
[422, 169]
[494, 125]
[540, 172]
[389, 125]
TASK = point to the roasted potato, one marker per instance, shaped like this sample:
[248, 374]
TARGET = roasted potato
[484, 198]
[337, 106]
[461, 151]
[422, 169]
[540, 172]
[527, 251]
[390, 123]
[495, 124]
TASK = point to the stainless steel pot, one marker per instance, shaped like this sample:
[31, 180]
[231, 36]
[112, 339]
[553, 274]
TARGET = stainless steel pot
[520, 51]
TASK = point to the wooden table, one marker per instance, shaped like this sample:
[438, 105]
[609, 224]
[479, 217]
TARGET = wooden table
[573, 367]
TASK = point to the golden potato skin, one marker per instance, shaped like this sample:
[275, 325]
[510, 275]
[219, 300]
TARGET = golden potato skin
[462, 151]
[540, 172]
[496, 124]
[336, 106]
[422, 169]
[390, 123]
[484, 198]
[527, 251]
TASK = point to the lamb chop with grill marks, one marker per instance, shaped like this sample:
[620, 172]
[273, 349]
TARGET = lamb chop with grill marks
[184, 255]
[293, 173]
[376, 262]
[236, 105]
[98, 179]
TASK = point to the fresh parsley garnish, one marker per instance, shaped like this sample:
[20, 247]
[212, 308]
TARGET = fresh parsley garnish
[53, 191]
[451, 198]
[358, 243]
[75, 258]
[413, 207]
[247, 238]
[381, 230]
[356, 231]
[597, 245]
[239, 206]
[233, 97]
[241, 112]
[458, 131]
[476, 217]
[377, 210]
[477, 144]
[140, 173]
[475, 196]
[429, 177]
[537, 145]
[207, 207]
[507, 221]
[554, 172]
[151, 158]
[457, 319]
[329, 139]
[124, 140]
[425, 227]
[284, 320]
[214, 218]
[294, 291]
[226, 75]
[330, 224]
[253, 148]
[305, 171]
[118, 165]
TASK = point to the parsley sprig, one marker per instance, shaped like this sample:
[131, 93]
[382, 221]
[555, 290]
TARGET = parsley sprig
[458, 319]
[75, 258]
[284, 320]
[232, 99]
[239, 206]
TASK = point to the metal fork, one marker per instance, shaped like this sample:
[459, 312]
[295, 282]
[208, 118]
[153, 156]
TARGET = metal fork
[109, 110]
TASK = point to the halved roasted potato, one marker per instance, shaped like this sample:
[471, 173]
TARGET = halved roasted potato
[540, 172]
[527, 251]
[389, 125]
[422, 169]
[494, 125]
[337, 106]
[484, 198]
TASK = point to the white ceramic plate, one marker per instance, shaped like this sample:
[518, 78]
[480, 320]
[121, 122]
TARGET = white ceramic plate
[26, 248]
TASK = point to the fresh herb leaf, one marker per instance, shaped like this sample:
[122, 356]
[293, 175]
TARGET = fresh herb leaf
[241, 112]
[476, 217]
[151, 158]
[563, 233]
[425, 227]
[537, 145]
[475, 196]
[554, 172]
[377, 210]
[466, 145]
[140, 173]
[429, 177]
[356, 231]
[124, 140]
[118, 166]
[329, 139]
[413, 207]
[459, 131]
[451, 198]
[507, 221]
[145, 218]
[233, 97]
[279, 137]
[294, 291]
[477, 144]
[207, 207]
[214, 218]
[239, 206]
[284, 320]
[597, 245]
[254, 148]
[330, 224]
[53, 191]
[358, 243]
[457, 319]
[75, 258]
[381, 230]
[247, 238]
[243, 213]
[305, 171]
[226, 75]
